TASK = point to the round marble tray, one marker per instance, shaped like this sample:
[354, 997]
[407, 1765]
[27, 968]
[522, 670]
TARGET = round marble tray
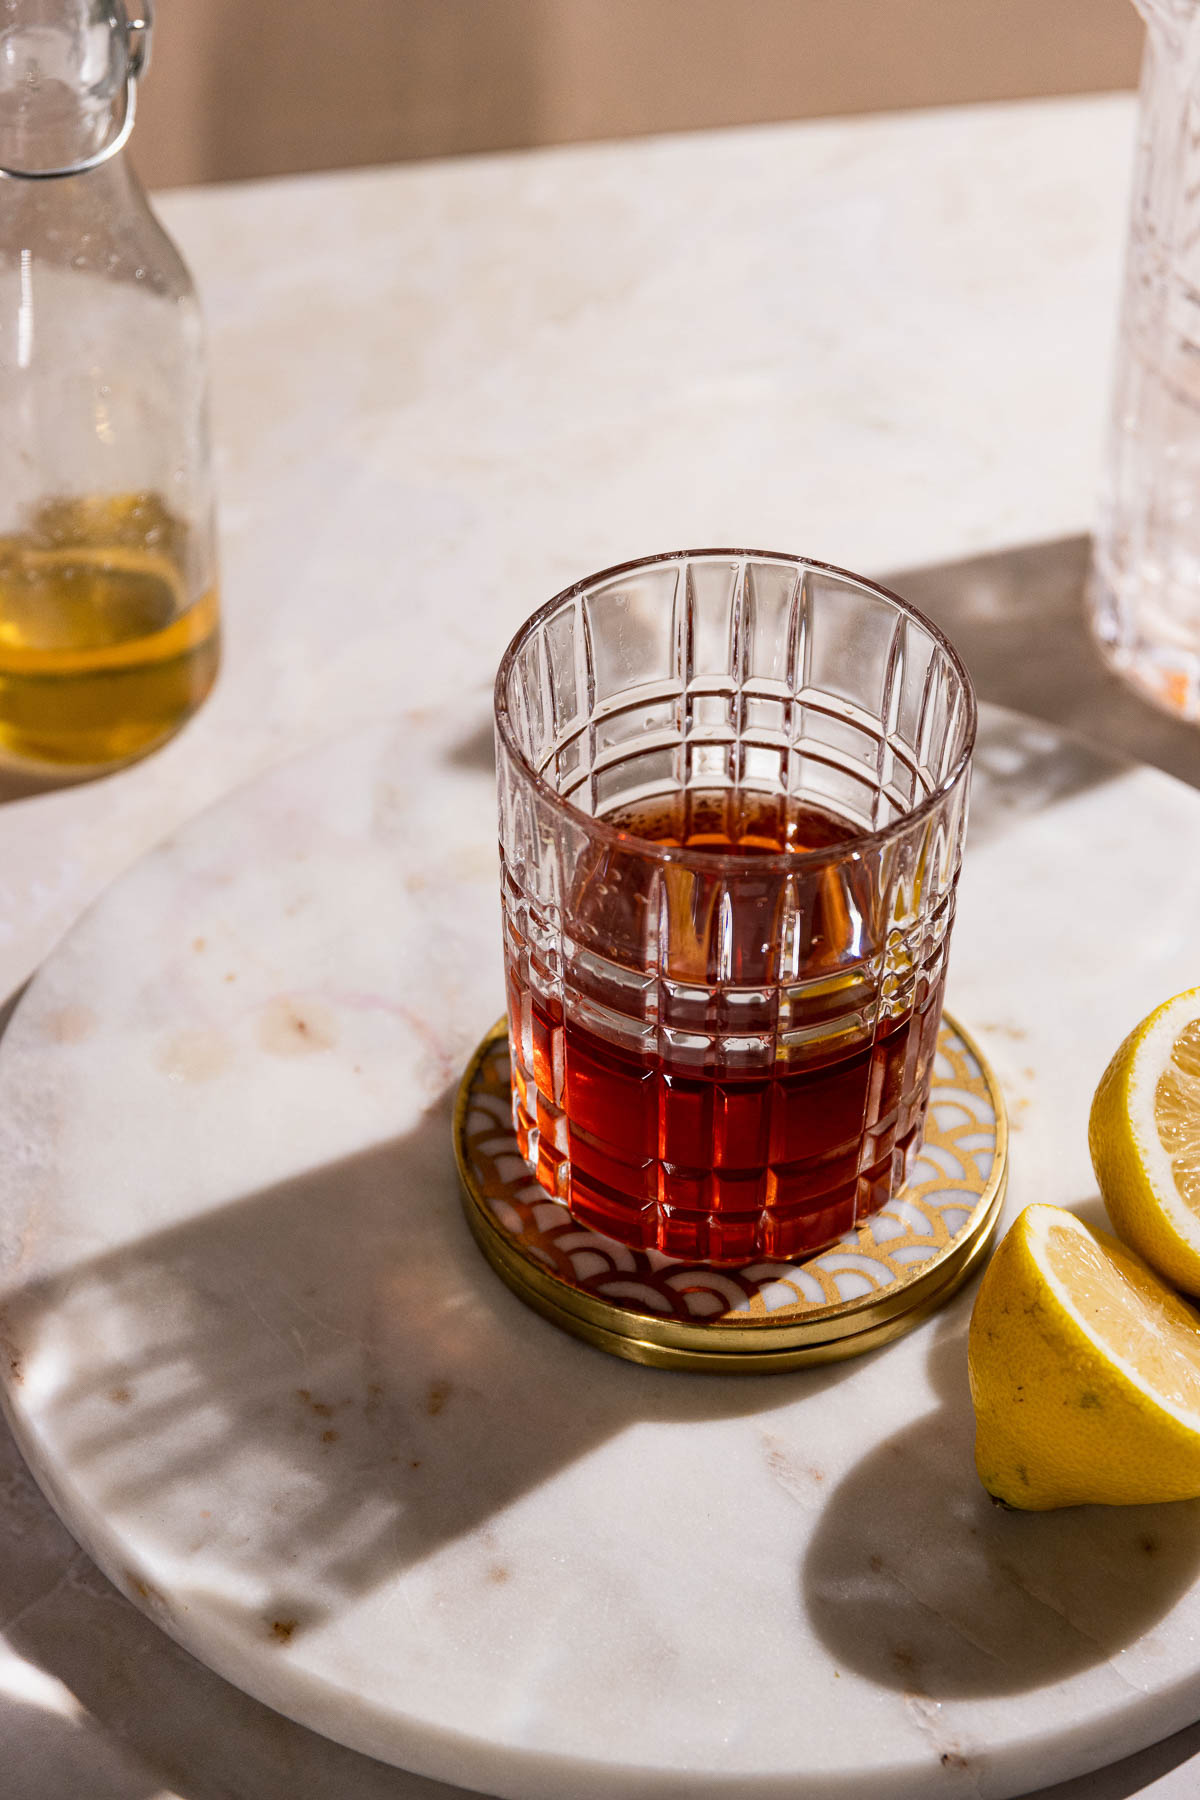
[259, 1366]
[873, 1284]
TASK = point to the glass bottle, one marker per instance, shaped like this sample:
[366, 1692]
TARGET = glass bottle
[1144, 588]
[109, 634]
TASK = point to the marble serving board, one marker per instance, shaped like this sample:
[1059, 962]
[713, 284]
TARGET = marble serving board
[259, 1366]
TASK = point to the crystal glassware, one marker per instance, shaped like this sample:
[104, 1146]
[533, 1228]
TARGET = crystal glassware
[733, 791]
[1144, 587]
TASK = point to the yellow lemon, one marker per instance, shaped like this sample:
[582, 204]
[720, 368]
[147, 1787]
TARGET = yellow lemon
[1085, 1372]
[1144, 1136]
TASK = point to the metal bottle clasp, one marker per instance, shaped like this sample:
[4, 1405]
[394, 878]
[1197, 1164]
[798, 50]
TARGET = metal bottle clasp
[137, 59]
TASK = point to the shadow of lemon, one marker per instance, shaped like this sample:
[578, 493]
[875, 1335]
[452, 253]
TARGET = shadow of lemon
[917, 1580]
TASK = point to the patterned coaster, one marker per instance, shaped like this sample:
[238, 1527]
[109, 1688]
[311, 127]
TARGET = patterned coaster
[873, 1284]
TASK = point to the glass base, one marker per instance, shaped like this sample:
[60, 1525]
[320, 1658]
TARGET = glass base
[1162, 665]
[875, 1283]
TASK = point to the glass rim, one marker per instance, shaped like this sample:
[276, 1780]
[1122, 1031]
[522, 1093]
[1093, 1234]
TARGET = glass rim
[720, 861]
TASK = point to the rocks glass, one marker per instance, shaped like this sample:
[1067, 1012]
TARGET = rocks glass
[733, 792]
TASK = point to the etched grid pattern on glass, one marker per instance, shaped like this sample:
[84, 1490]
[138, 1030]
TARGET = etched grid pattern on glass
[717, 1053]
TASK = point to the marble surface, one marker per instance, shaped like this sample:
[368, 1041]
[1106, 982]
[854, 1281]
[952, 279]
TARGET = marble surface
[443, 391]
[253, 1356]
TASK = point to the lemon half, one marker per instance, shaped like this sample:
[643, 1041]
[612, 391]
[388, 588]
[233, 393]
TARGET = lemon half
[1144, 1135]
[1085, 1372]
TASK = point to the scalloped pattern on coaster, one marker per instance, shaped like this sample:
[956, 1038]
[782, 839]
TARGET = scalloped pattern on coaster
[873, 1283]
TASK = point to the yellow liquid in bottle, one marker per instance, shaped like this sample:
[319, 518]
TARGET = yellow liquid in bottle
[103, 654]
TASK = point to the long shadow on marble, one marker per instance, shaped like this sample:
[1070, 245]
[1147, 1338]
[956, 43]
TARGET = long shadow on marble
[213, 1375]
[915, 1578]
[1017, 617]
[320, 1384]
[143, 1718]
[316, 1385]
[49, 1759]
[1023, 767]
[146, 1718]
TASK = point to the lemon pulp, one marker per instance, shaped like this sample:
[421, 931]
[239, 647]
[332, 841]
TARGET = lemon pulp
[1177, 1112]
[1128, 1314]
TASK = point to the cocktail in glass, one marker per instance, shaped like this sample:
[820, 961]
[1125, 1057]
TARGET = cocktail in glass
[733, 792]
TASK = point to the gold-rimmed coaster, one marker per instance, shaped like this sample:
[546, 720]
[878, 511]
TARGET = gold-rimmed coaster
[875, 1283]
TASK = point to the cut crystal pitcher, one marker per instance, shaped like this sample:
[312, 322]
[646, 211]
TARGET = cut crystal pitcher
[1144, 591]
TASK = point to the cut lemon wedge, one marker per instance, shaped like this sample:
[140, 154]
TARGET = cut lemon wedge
[1144, 1135]
[1084, 1370]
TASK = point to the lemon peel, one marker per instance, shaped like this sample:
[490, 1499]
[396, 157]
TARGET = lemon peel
[1144, 1136]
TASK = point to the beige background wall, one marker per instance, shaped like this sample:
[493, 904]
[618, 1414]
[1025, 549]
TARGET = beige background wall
[260, 87]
